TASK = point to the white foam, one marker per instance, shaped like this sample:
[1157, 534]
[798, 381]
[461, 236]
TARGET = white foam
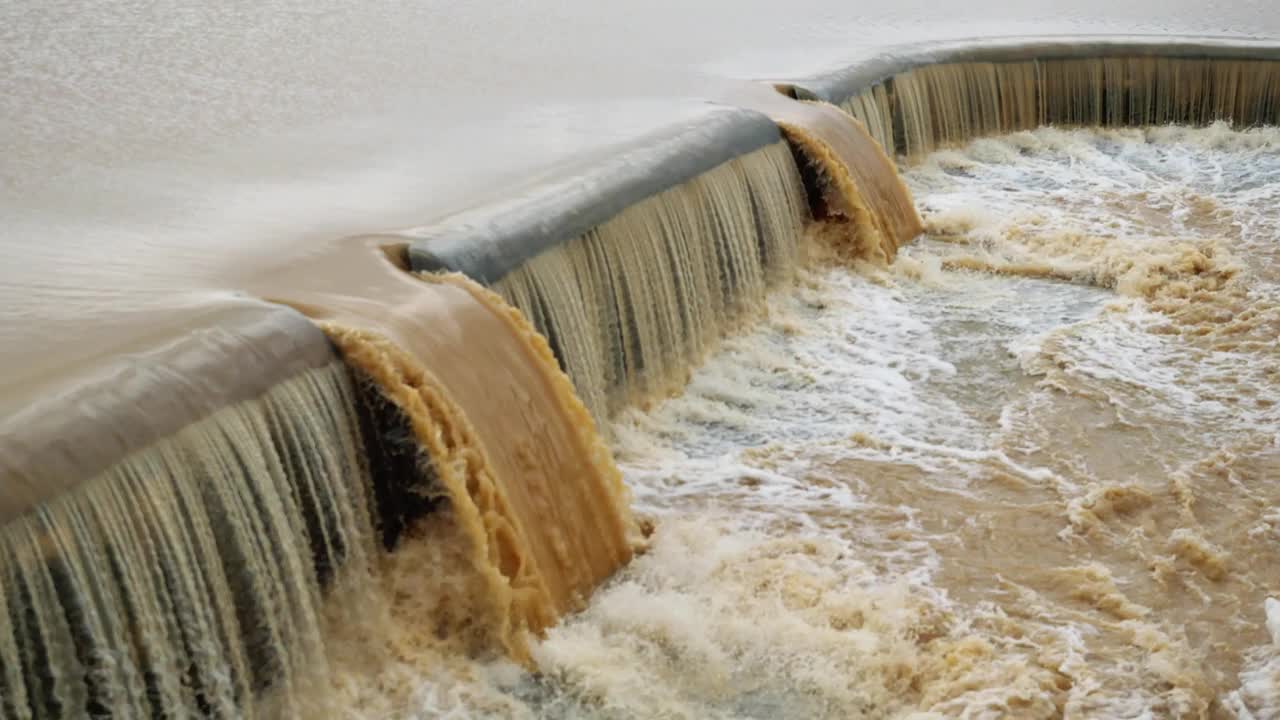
[1258, 697]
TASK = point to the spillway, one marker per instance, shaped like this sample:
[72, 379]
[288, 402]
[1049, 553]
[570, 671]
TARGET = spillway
[916, 100]
[699, 414]
[184, 545]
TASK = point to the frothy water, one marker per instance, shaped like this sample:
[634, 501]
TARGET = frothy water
[1026, 471]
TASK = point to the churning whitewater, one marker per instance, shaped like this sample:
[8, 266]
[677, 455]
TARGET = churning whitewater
[1026, 470]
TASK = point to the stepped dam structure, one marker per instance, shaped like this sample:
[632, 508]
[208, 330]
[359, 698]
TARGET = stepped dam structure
[174, 523]
[943, 384]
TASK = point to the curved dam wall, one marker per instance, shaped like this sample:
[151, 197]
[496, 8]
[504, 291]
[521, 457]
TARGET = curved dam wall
[634, 269]
[489, 242]
[176, 522]
[240, 351]
[922, 97]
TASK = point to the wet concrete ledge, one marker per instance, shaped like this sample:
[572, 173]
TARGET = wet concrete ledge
[493, 240]
[840, 85]
[232, 353]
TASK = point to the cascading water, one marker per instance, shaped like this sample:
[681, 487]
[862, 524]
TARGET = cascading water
[1019, 468]
[637, 301]
[186, 579]
[923, 109]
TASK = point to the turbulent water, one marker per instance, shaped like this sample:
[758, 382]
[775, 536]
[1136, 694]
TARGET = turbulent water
[1026, 471]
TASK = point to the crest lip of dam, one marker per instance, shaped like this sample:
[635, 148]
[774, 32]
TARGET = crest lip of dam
[883, 63]
[489, 240]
